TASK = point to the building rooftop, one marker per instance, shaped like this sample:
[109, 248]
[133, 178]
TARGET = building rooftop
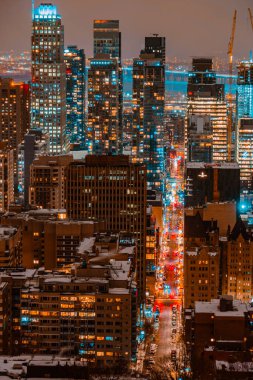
[204, 165]
[213, 307]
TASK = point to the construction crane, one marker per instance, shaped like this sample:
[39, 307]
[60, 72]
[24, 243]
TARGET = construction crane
[251, 17]
[230, 102]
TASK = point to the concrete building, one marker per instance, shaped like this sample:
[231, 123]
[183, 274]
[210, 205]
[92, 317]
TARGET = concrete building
[47, 181]
[218, 330]
[238, 264]
[10, 247]
[199, 138]
[6, 176]
[112, 189]
[48, 88]
[201, 260]
[49, 239]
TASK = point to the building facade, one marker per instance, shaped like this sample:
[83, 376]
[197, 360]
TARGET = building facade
[112, 189]
[199, 139]
[74, 59]
[48, 88]
[244, 93]
[244, 152]
[6, 176]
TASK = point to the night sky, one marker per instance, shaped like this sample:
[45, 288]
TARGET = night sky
[191, 27]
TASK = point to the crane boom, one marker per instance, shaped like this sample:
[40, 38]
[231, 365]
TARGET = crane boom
[230, 109]
[251, 17]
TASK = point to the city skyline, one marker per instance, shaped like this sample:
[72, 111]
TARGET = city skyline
[198, 16]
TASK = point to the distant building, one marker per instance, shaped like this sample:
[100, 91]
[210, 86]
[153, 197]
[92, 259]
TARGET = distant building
[74, 59]
[244, 93]
[201, 260]
[148, 116]
[47, 181]
[209, 183]
[6, 176]
[199, 139]
[244, 151]
[14, 115]
[156, 45]
[48, 89]
[35, 143]
[112, 189]
[206, 97]
[10, 247]
[103, 130]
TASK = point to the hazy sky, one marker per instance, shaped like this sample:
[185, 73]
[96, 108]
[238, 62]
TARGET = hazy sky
[191, 27]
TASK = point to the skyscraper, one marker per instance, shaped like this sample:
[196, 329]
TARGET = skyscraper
[14, 115]
[244, 95]
[48, 90]
[103, 130]
[75, 94]
[156, 45]
[107, 40]
[199, 138]
[206, 97]
[148, 116]
[244, 152]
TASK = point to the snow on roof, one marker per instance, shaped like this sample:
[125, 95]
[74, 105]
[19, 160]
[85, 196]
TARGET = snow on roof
[118, 291]
[234, 367]
[128, 250]
[212, 307]
[120, 269]
[86, 245]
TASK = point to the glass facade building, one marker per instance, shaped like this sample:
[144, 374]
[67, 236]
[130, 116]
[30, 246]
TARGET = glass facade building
[244, 94]
[48, 88]
[206, 97]
[244, 152]
[75, 94]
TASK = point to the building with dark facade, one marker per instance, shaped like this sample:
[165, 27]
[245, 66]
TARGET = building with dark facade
[156, 45]
[74, 59]
[199, 139]
[211, 183]
[244, 151]
[48, 88]
[112, 189]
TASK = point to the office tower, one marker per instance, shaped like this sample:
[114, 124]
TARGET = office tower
[35, 143]
[244, 152]
[238, 276]
[244, 93]
[113, 189]
[103, 132]
[219, 338]
[14, 115]
[201, 260]
[199, 139]
[47, 181]
[6, 177]
[209, 183]
[155, 45]
[206, 97]
[148, 117]
[74, 59]
[48, 88]
[107, 40]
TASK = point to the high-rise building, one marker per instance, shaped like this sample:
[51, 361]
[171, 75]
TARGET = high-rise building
[6, 177]
[14, 115]
[48, 88]
[156, 45]
[199, 138]
[47, 181]
[74, 59]
[148, 117]
[112, 189]
[35, 143]
[244, 152]
[103, 130]
[206, 97]
[107, 40]
[244, 94]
